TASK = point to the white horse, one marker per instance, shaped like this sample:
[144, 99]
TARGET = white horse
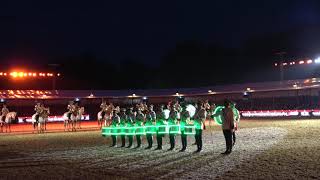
[66, 121]
[101, 118]
[106, 119]
[75, 119]
[8, 120]
[2, 123]
[79, 117]
[39, 125]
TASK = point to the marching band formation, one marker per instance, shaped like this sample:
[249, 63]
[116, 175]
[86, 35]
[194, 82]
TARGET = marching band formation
[144, 120]
[175, 119]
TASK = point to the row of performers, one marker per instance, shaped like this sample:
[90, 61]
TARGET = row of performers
[146, 116]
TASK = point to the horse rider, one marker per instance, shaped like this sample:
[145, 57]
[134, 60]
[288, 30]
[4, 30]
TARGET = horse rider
[4, 112]
[39, 110]
[70, 108]
[103, 107]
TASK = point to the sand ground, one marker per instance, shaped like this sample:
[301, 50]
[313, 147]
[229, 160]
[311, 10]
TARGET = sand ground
[265, 149]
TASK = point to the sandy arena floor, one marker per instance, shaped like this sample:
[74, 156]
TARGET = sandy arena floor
[265, 149]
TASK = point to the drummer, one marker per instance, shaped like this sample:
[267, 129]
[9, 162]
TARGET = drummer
[160, 122]
[150, 121]
[123, 119]
[172, 130]
[130, 120]
[115, 123]
[184, 117]
[140, 117]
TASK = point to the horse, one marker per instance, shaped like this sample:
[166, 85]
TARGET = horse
[101, 118]
[8, 120]
[79, 117]
[1, 123]
[66, 121]
[106, 118]
[39, 125]
[75, 119]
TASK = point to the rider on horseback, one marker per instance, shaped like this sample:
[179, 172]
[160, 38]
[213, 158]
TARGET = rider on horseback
[4, 112]
[39, 110]
[70, 109]
[45, 111]
[103, 107]
[76, 109]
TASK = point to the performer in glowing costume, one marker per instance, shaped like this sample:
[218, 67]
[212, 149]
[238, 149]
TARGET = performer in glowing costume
[160, 122]
[123, 120]
[184, 117]
[150, 121]
[130, 120]
[140, 117]
[199, 120]
[172, 131]
[115, 123]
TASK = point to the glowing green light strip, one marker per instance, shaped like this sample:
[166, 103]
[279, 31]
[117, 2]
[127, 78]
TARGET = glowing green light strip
[142, 130]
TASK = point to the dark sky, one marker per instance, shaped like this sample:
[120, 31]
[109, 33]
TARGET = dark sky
[144, 29]
[40, 31]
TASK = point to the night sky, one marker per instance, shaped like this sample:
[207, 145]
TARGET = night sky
[155, 33]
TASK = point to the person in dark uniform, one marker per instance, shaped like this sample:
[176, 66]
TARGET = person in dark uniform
[140, 117]
[130, 120]
[115, 123]
[172, 121]
[199, 121]
[236, 121]
[227, 124]
[160, 121]
[150, 121]
[123, 119]
[197, 109]
[184, 117]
